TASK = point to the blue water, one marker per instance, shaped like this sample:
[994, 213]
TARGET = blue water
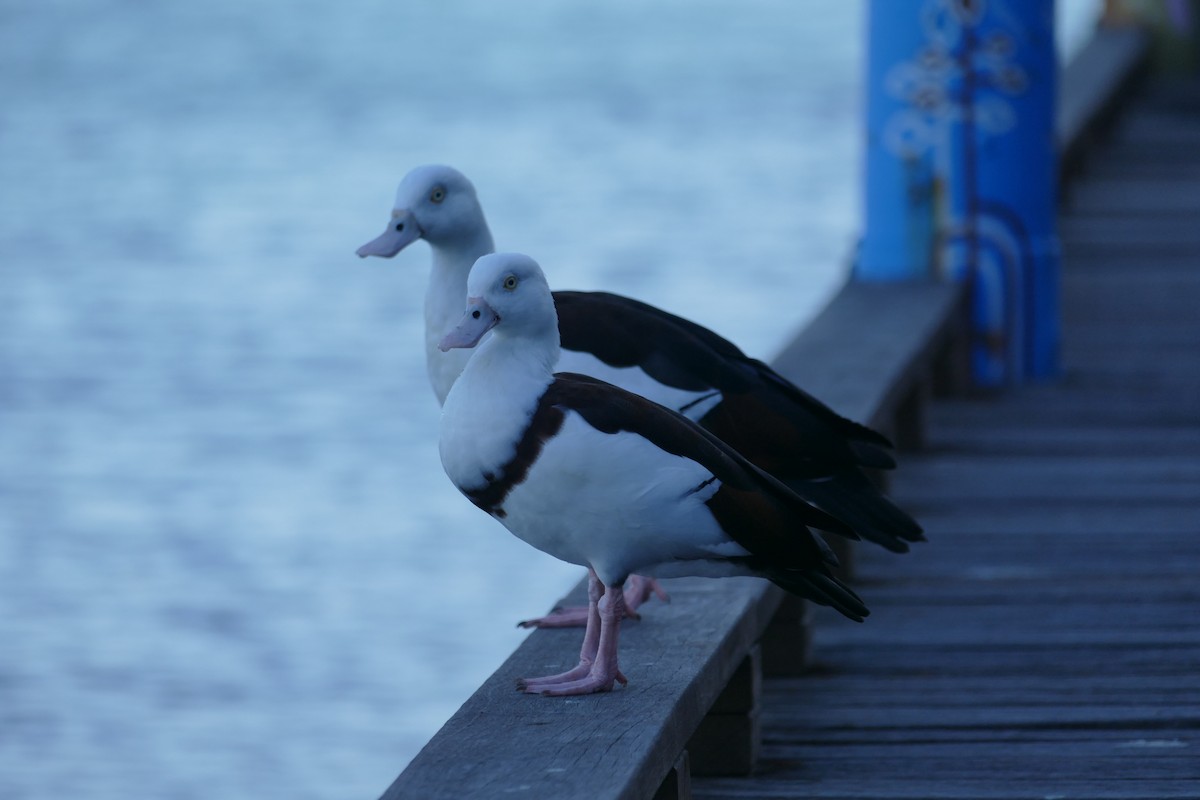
[230, 564]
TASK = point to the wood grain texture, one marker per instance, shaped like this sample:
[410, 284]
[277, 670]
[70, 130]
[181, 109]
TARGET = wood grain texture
[502, 743]
[1046, 641]
[873, 345]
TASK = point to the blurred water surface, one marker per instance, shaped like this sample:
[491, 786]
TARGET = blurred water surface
[230, 564]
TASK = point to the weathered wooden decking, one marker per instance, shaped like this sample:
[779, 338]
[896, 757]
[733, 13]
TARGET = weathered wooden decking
[1046, 642]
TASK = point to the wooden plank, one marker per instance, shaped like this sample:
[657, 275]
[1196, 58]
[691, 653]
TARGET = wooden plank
[984, 628]
[999, 519]
[866, 787]
[1150, 235]
[1092, 85]
[678, 659]
[920, 756]
[1055, 479]
[1020, 440]
[678, 783]
[999, 713]
[1057, 766]
[1106, 297]
[729, 738]
[881, 334]
[945, 664]
[1137, 197]
[1137, 164]
[1122, 408]
[988, 554]
[1164, 130]
[1031, 690]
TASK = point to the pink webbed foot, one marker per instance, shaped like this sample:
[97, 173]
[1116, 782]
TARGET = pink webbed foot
[565, 617]
[597, 669]
[638, 589]
[592, 682]
[583, 679]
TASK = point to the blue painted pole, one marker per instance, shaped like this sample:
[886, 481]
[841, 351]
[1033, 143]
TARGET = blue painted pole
[961, 168]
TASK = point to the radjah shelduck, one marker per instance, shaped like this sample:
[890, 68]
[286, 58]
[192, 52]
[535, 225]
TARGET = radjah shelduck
[666, 358]
[601, 477]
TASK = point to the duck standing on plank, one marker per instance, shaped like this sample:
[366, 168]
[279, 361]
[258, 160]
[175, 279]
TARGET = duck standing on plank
[665, 358]
[601, 477]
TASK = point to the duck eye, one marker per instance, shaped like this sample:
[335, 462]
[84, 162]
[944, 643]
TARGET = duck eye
[510, 282]
[437, 195]
[399, 226]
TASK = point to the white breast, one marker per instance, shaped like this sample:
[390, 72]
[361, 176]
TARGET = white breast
[616, 503]
[485, 415]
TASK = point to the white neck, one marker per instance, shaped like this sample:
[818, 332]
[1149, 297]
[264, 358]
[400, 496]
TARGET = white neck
[445, 300]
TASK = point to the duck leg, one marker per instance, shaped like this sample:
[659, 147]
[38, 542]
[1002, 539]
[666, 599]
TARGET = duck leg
[591, 642]
[638, 589]
[597, 668]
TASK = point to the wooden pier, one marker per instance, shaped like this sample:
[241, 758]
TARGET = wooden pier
[1044, 643]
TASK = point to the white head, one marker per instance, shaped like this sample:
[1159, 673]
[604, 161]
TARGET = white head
[435, 203]
[506, 292]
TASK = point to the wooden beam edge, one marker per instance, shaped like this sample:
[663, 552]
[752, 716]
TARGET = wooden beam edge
[498, 726]
[1092, 87]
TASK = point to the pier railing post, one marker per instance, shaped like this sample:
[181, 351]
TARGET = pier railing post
[961, 168]
[730, 735]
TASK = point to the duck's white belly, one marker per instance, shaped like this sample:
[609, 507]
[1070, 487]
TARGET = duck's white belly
[483, 419]
[616, 503]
